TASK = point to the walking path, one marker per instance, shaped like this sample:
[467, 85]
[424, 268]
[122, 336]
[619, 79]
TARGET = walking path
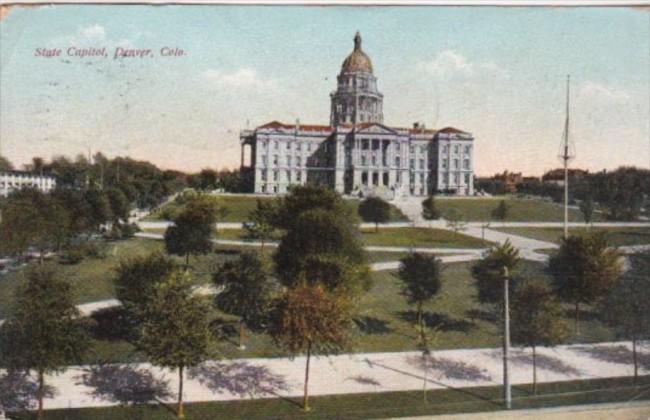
[108, 385]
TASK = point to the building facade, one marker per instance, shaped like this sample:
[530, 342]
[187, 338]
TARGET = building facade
[15, 180]
[356, 153]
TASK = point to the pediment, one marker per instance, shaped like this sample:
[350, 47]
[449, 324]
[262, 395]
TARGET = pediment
[374, 128]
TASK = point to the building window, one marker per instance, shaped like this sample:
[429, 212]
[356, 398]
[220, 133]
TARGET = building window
[298, 161]
[456, 179]
[412, 178]
[444, 164]
[288, 145]
[397, 162]
[385, 179]
[445, 149]
[375, 144]
[423, 149]
[364, 178]
[288, 160]
[275, 145]
[398, 178]
[374, 160]
[264, 174]
[455, 163]
[288, 176]
[466, 179]
[375, 178]
[309, 147]
[299, 176]
[298, 146]
[421, 178]
[456, 149]
[466, 164]
[412, 163]
[467, 148]
[275, 159]
[421, 163]
[364, 144]
[275, 176]
[412, 149]
[445, 178]
[363, 160]
[264, 160]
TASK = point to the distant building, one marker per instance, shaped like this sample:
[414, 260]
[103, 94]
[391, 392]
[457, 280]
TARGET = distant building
[356, 153]
[15, 180]
[510, 180]
[556, 176]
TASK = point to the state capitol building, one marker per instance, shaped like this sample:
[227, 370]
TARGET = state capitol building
[356, 153]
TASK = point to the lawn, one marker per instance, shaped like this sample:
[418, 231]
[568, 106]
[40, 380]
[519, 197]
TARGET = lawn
[240, 206]
[519, 210]
[383, 322]
[92, 278]
[380, 405]
[616, 236]
[419, 237]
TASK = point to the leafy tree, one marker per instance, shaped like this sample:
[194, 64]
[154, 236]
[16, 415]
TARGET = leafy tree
[308, 319]
[245, 290]
[44, 332]
[311, 197]
[192, 230]
[119, 204]
[488, 272]
[587, 209]
[137, 278]
[32, 218]
[501, 211]
[175, 330]
[455, 220]
[375, 210]
[99, 208]
[621, 191]
[5, 164]
[323, 247]
[536, 319]
[207, 179]
[262, 219]
[627, 307]
[420, 277]
[429, 209]
[584, 270]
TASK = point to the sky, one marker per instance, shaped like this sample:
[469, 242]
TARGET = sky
[498, 73]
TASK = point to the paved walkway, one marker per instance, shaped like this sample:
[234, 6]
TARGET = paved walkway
[107, 385]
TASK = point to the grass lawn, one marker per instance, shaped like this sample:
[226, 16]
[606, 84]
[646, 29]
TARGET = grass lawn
[616, 236]
[519, 210]
[380, 405]
[239, 207]
[92, 278]
[422, 237]
[384, 322]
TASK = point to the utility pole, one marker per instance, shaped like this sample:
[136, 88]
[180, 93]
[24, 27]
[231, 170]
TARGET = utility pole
[507, 395]
[566, 156]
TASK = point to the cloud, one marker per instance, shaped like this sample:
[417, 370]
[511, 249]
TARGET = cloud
[93, 32]
[450, 63]
[241, 79]
[597, 91]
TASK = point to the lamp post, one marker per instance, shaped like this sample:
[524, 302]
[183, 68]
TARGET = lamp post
[507, 396]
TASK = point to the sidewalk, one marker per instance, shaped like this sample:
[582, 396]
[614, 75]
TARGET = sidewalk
[108, 385]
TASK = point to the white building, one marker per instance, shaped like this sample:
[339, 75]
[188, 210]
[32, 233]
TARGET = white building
[356, 153]
[14, 180]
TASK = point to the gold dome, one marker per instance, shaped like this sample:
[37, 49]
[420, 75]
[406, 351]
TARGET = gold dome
[357, 60]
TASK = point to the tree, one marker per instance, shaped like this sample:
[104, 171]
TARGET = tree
[31, 218]
[245, 290]
[420, 277]
[501, 211]
[44, 332]
[5, 164]
[262, 219]
[99, 208]
[119, 205]
[220, 213]
[627, 307]
[175, 330]
[429, 209]
[488, 272]
[322, 247]
[536, 319]
[137, 278]
[192, 230]
[455, 220]
[375, 210]
[584, 270]
[587, 209]
[308, 319]
[311, 197]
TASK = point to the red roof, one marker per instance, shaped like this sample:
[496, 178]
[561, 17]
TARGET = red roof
[316, 127]
[305, 127]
